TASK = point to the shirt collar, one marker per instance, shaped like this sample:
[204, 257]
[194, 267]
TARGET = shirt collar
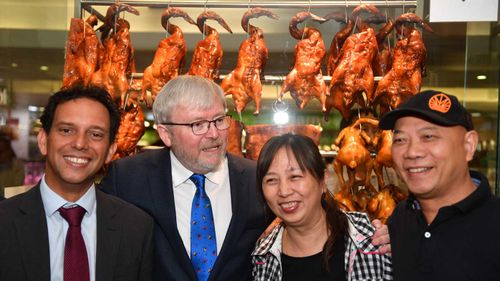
[181, 174]
[53, 201]
[271, 239]
[481, 193]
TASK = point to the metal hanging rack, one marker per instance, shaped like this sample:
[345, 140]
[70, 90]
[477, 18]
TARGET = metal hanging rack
[246, 4]
[87, 5]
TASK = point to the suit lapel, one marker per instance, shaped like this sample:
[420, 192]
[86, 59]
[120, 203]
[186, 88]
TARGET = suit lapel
[162, 192]
[108, 236]
[239, 205]
[33, 236]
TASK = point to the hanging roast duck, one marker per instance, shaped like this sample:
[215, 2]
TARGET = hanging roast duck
[243, 83]
[169, 56]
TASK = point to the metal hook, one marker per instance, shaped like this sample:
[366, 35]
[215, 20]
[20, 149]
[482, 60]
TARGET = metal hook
[248, 22]
[204, 24]
[345, 10]
[305, 23]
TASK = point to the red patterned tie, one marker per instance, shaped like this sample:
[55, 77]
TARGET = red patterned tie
[76, 264]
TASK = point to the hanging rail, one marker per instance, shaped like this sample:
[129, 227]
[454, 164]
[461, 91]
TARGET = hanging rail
[244, 4]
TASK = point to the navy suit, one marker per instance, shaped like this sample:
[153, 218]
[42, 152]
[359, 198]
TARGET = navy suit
[146, 181]
[124, 239]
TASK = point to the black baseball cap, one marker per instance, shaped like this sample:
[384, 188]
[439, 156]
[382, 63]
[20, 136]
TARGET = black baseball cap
[433, 106]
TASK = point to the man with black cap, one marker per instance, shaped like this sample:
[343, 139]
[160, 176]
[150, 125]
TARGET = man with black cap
[449, 227]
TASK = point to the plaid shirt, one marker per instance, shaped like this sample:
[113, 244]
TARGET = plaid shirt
[362, 259]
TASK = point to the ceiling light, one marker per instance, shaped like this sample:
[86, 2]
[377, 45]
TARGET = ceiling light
[481, 77]
[280, 117]
[44, 68]
[14, 65]
[280, 112]
[147, 124]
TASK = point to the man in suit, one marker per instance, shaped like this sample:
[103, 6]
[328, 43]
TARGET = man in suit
[190, 116]
[41, 237]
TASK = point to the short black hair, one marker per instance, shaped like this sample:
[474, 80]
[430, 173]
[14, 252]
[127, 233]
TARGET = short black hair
[94, 93]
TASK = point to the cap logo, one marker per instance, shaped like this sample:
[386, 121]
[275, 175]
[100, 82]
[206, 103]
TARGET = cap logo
[440, 102]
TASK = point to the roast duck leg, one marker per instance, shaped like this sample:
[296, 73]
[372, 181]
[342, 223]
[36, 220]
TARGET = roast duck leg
[207, 56]
[243, 83]
[353, 75]
[305, 81]
[169, 56]
[82, 52]
[404, 79]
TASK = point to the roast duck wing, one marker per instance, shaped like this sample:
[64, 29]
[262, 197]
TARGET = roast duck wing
[117, 59]
[169, 56]
[132, 124]
[353, 74]
[243, 83]
[404, 79]
[82, 52]
[207, 56]
[305, 81]
[354, 155]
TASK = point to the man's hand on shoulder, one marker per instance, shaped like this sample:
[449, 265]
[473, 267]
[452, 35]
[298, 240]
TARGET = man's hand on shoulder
[381, 237]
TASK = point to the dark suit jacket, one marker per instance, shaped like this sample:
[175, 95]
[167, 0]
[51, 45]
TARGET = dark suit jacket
[124, 239]
[146, 181]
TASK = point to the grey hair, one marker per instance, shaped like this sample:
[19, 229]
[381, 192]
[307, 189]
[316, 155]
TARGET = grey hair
[189, 91]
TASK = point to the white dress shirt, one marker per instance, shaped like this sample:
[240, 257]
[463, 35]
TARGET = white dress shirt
[58, 227]
[217, 189]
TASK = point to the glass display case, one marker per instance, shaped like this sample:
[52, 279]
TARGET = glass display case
[462, 59]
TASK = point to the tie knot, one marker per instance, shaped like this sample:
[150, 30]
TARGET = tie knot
[73, 216]
[198, 180]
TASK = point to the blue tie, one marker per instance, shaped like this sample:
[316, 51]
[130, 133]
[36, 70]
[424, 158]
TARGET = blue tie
[203, 243]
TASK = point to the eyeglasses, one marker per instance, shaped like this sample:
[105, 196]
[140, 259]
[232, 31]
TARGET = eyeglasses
[201, 127]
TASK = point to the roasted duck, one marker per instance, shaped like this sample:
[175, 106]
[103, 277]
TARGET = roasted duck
[258, 135]
[169, 56]
[404, 79]
[354, 155]
[382, 205]
[243, 83]
[207, 56]
[82, 52]
[383, 143]
[118, 62]
[345, 201]
[305, 81]
[112, 14]
[353, 75]
[131, 126]
[234, 138]
[338, 40]
[383, 59]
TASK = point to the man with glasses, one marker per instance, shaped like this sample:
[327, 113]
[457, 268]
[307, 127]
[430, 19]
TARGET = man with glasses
[207, 210]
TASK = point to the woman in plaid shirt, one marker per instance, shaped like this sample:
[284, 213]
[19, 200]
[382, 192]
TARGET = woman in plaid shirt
[311, 238]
